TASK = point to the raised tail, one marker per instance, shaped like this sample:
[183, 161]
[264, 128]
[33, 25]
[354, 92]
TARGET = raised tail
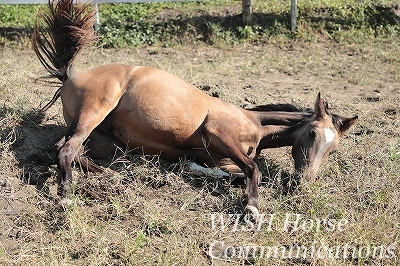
[67, 29]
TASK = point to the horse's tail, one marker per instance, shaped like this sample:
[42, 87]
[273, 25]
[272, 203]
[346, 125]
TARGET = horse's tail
[67, 29]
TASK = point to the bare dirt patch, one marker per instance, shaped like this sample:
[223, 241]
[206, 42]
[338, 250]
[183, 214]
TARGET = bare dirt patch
[150, 212]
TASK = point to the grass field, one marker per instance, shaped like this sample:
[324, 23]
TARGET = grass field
[148, 211]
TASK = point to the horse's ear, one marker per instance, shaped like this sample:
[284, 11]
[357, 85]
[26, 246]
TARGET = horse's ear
[320, 107]
[342, 124]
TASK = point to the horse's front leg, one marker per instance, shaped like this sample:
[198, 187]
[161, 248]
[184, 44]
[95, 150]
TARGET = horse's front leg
[223, 139]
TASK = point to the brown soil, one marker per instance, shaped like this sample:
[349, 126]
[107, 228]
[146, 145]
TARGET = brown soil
[170, 208]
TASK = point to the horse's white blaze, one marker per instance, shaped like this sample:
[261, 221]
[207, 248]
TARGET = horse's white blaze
[329, 135]
[196, 169]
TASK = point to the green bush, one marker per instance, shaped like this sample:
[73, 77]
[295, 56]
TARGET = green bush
[219, 22]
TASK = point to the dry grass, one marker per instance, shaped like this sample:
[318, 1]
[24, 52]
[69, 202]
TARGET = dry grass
[147, 211]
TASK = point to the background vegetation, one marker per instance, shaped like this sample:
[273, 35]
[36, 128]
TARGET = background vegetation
[219, 22]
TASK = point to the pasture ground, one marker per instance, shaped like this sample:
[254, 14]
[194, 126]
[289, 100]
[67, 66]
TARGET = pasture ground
[151, 212]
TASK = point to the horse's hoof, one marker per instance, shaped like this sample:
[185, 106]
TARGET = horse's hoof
[66, 202]
[253, 212]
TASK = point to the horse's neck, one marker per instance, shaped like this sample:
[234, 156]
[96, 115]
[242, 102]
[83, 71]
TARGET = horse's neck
[275, 136]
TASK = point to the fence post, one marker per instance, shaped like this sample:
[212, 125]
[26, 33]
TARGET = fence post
[293, 15]
[97, 21]
[247, 12]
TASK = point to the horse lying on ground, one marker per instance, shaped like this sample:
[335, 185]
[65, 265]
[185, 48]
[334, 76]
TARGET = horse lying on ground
[135, 106]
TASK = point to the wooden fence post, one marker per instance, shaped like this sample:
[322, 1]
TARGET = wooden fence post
[247, 12]
[293, 16]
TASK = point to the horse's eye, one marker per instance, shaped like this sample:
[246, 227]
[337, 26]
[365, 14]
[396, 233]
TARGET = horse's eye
[312, 134]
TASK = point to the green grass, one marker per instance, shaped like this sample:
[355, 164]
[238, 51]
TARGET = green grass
[19, 15]
[219, 22]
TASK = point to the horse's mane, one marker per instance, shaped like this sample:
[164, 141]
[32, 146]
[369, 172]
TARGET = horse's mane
[337, 120]
[282, 107]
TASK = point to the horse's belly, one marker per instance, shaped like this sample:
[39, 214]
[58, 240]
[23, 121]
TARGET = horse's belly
[154, 130]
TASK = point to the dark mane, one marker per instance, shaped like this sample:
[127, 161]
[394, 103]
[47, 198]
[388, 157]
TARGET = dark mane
[283, 107]
[337, 120]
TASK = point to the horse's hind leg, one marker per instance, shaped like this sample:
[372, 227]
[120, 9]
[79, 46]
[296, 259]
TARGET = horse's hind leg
[67, 148]
[69, 145]
[101, 144]
[231, 168]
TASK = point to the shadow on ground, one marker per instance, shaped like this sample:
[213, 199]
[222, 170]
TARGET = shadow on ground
[33, 146]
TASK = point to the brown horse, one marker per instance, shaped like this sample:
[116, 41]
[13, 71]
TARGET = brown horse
[136, 106]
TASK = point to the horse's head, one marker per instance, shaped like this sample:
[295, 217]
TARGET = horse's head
[318, 138]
